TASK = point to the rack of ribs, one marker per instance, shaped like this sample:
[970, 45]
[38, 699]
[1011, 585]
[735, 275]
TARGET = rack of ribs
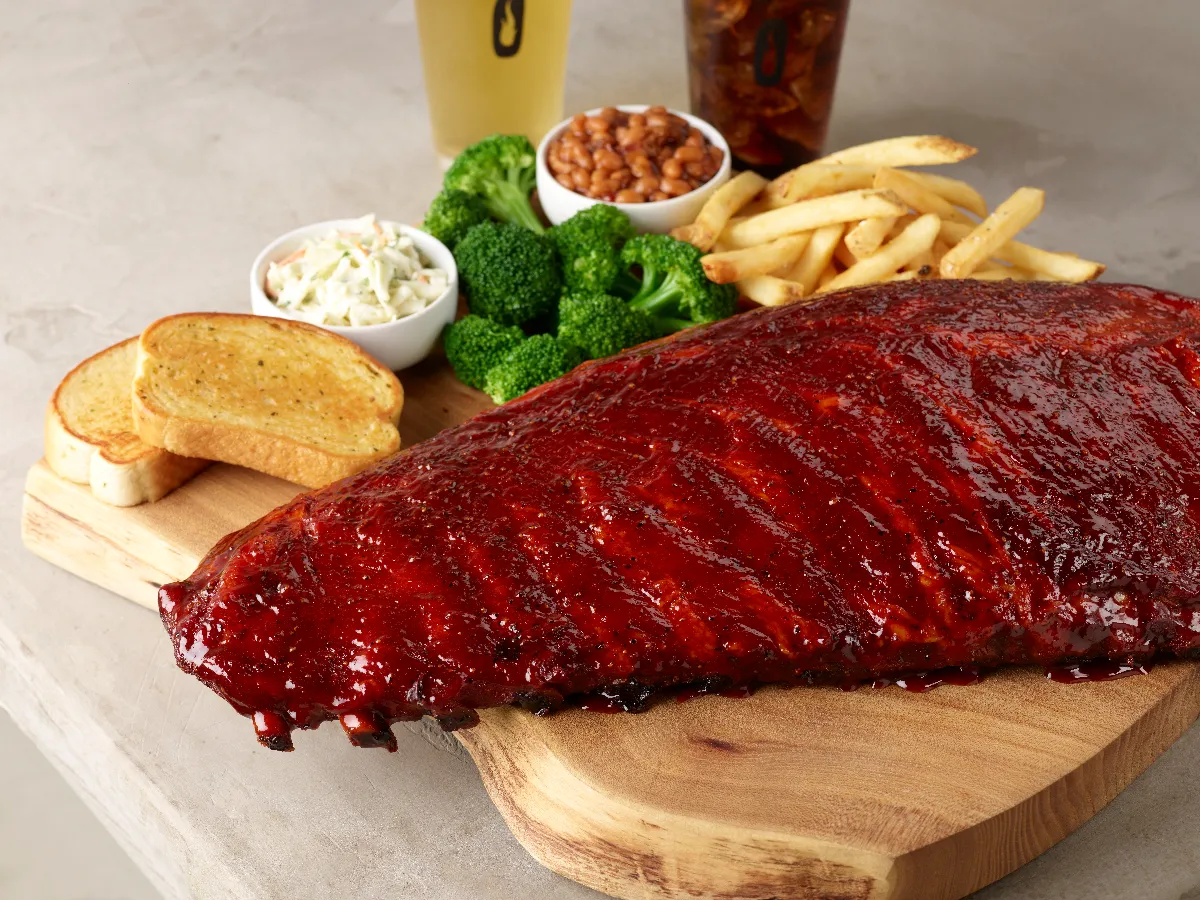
[894, 479]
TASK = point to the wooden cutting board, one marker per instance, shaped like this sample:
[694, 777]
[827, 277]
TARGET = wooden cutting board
[791, 794]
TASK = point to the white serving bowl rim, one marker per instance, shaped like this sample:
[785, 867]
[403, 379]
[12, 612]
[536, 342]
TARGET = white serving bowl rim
[707, 128]
[270, 254]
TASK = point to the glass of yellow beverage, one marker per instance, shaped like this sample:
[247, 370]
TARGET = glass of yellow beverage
[492, 66]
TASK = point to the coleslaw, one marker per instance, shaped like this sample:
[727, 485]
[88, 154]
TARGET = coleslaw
[368, 273]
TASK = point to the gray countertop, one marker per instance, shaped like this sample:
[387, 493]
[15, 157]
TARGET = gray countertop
[150, 149]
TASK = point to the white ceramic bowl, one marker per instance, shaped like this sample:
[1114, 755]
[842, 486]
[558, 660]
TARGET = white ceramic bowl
[398, 344]
[659, 216]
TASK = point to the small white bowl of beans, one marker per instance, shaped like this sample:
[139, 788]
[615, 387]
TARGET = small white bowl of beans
[655, 164]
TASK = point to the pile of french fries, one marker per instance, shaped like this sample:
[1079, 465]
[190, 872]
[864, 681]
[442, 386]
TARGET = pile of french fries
[860, 217]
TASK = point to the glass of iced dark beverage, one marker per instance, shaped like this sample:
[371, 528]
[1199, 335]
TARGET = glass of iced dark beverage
[763, 72]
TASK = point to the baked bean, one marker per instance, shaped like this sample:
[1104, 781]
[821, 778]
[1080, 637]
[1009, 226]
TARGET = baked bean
[636, 156]
[675, 186]
[583, 159]
[570, 152]
[647, 184]
[609, 159]
[634, 135]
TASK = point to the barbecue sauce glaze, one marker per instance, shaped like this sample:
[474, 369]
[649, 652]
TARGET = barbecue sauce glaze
[898, 479]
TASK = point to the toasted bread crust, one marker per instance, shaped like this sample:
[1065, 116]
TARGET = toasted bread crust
[121, 469]
[275, 455]
[289, 457]
[67, 453]
[149, 478]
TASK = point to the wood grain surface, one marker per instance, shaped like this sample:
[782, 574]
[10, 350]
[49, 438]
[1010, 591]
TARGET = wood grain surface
[798, 794]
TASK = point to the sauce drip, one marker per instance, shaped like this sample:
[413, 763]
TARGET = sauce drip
[920, 682]
[602, 705]
[1096, 670]
[737, 692]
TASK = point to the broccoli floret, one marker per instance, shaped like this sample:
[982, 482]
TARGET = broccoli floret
[674, 288]
[475, 344]
[534, 361]
[601, 324]
[500, 171]
[452, 214]
[510, 275]
[589, 245]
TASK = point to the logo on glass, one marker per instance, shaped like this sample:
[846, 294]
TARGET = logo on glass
[772, 34]
[508, 24]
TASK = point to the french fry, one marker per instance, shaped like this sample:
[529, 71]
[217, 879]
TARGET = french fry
[827, 276]
[1001, 273]
[767, 290]
[755, 206]
[843, 255]
[901, 223]
[902, 275]
[1053, 266]
[734, 221]
[991, 266]
[691, 234]
[916, 238]
[809, 215]
[1020, 273]
[816, 257]
[737, 265]
[922, 261]
[775, 193]
[957, 192]
[816, 180]
[720, 208]
[916, 150]
[865, 237]
[916, 195]
[992, 233]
